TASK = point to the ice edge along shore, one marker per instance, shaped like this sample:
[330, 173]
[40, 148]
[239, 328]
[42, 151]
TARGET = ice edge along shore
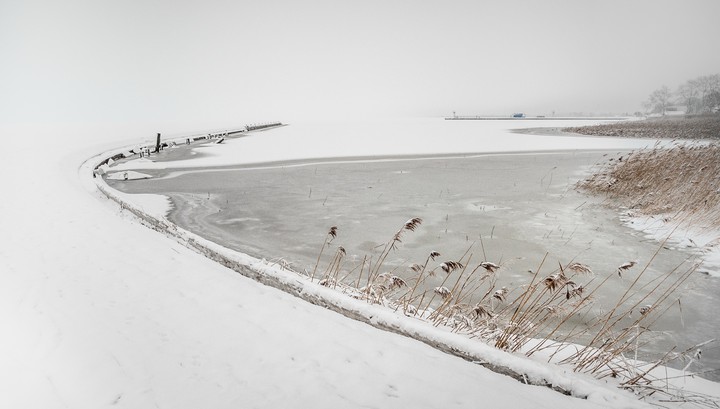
[518, 367]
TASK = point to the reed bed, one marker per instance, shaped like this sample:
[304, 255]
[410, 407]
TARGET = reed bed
[680, 184]
[555, 313]
[669, 127]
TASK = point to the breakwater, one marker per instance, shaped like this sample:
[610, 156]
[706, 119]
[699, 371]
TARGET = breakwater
[186, 140]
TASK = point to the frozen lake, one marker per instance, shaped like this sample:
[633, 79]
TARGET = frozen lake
[510, 209]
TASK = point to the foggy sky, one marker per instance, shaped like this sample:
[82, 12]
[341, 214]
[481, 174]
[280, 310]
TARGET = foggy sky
[223, 61]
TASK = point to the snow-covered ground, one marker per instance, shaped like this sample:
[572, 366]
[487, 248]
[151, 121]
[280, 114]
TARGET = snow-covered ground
[389, 137]
[100, 311]
[703, 241]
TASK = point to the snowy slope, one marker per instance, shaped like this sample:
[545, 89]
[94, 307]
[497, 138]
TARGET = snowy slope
[100, 311]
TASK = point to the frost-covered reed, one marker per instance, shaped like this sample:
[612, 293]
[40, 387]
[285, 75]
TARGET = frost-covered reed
[557, 305]
[681, 183]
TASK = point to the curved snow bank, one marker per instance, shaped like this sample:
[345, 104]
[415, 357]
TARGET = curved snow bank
[154, 206]
[517, 366]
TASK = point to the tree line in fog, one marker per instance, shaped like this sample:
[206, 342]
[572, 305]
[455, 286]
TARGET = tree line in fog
[698, 96]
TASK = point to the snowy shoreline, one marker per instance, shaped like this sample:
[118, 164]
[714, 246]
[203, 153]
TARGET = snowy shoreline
[519, 367]
[377, 316]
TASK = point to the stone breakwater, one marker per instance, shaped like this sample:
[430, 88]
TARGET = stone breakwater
[690, 127]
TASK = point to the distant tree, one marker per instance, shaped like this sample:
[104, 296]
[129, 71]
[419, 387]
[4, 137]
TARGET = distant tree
[688, 94]
[659, 100]
[701, 94]
[647, 106]
[712, 101]
[707, 85]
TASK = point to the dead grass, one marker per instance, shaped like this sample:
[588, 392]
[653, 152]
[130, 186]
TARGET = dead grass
[681, 183]
[556, 307]
[670, 127]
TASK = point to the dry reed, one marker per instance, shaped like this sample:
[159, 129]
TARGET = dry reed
[688, 127]
[559, 307]
[680, 184]
[554, 308]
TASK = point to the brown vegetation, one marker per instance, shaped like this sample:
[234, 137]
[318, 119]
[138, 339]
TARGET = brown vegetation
[682, 182]
[684, 127]
[556, 305]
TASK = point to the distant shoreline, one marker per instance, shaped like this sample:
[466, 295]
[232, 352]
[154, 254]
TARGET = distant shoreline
[536, 118]
[704, 127]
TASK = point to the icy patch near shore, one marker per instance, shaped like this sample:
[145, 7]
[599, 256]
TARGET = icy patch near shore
[128, 175]
[679, 384]
[157, 206]
[482, 207]
[705, 242]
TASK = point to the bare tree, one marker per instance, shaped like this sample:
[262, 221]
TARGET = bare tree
[699, 95]
[707, 85]
[689, 93]
[659, 100]
[712, 101]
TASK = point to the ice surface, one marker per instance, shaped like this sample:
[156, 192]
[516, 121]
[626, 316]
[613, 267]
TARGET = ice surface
[100, 311]
[387, 137]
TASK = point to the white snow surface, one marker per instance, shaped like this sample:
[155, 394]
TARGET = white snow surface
[681, 233]
[128, 175]
[99, 311]
[386, 138]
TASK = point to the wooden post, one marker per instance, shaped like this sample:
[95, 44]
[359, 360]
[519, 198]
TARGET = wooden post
[157, 144]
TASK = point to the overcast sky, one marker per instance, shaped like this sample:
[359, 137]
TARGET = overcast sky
[224, 61]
